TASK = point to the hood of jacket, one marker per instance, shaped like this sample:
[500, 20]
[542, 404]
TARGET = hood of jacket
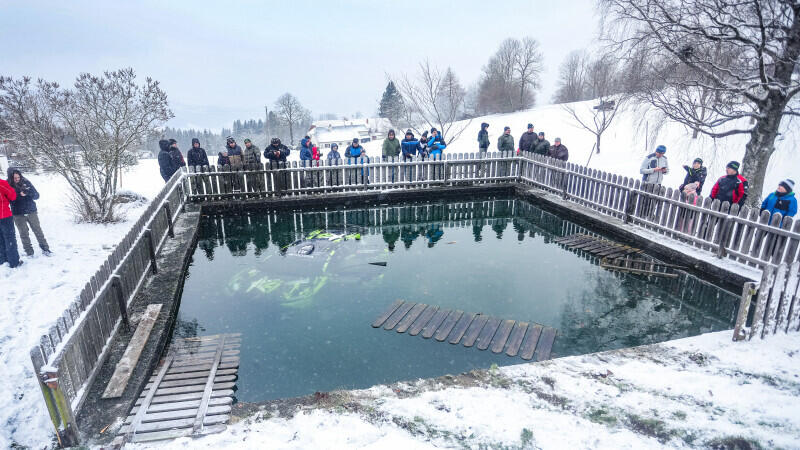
[164, 144]
[195, 141]
[484, 125]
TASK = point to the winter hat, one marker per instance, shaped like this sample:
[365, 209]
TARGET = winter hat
[484, 125]
[541, 133]
[248, 140]
[733, 165]
[275, 141]
[661, 149]
[433, 129]
[787, 184]
[558, 140]
[698, 160]
[163, 144]
[355, 140]
[172, 141]
[530, 125]
[230, 139]
[506, 128]
[334, 146]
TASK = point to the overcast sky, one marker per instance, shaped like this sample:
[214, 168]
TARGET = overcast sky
[220, 61]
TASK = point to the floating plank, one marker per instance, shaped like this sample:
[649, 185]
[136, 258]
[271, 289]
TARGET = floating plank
[122, 372]
[499, 341]
[202, 373]
[191, 388]
[385, 315]
[191, 381]
[461, 327]
[409, 319]
[180, 414]
[185, 397]
[203, 366]
[171, 424]
[434, 323]
[203, 356]
[422, 320]
[485, 338]
[189, 362]
[190, 404]
[447, 325]
[545, 345]
[177, 433]
[515, 341]
[393, 319]
[529, 344]
[474, 330]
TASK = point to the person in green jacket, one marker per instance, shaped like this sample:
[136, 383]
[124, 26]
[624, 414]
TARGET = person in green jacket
[541, 146]
[391, 146]
[505, 143]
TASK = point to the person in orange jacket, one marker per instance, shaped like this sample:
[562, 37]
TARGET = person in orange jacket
[8, 237]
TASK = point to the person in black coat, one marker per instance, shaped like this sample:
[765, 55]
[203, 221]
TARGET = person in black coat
[276, 151]
[165, 161]
[197, 155]
[25, 213]
[695, 174]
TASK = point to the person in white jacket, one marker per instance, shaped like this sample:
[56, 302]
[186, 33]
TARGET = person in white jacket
[655, 166]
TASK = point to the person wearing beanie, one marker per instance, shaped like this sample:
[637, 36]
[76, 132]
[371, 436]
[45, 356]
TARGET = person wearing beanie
[732, 187]
[696, 174]
[276, 151]
[541, 146]
[483, 138]
[527, 141]
[233, 151]
[436, 144]
[782, 200]
[505, 143]
[251, 153]
[655, 166]
[410, 146]
[558, 151]
[166, 163]
[197, 155]
[175, 154]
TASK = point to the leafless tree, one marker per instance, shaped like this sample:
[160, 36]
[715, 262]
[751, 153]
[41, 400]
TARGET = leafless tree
[720, 67]
[572, 78]
[601, 82]
[511, 77]
[291, 113]
[433, 99]
[87, 133]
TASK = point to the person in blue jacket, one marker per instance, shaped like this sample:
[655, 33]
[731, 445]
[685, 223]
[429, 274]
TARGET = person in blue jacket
[410, 146]
[436, 144]
[305, 149]
[356, 151]
[782, 200]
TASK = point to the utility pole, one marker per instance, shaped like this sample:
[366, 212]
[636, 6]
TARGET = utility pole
[266, 125]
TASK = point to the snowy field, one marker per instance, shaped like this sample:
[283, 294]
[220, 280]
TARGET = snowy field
[37, 293]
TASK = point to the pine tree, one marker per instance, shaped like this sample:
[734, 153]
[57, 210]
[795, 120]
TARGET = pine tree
[391, 105]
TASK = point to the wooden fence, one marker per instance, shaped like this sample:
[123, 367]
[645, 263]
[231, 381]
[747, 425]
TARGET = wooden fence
[69, 356]
[742, 234]
[777, 303]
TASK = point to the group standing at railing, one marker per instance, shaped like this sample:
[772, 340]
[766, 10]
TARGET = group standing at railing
[530, 143]
[731, 187]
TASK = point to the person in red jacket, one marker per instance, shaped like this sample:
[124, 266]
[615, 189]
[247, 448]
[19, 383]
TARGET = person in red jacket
[8, 237]
[731, 188]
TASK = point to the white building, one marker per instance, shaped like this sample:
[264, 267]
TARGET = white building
[342, 132]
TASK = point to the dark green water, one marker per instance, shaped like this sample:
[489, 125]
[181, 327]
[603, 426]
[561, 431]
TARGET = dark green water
[305, 321]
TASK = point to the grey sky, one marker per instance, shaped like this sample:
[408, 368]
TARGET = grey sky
[224, 61]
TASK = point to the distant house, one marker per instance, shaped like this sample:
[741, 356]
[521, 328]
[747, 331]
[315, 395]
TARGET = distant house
[342, 132]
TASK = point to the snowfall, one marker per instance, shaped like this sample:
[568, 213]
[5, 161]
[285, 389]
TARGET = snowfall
[697, 391]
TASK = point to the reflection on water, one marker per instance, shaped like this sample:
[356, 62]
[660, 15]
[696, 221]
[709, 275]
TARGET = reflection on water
[302, 287]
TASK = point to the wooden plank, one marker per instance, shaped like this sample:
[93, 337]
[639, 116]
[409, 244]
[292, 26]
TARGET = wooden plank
[789, 297]
[394, 319]
[500, 338]
[515, 341]
[191, 381]
[176, 433]
[173, 424]
[189, 389]
[447, 325]
[146, 400]
[531, 339]
[422, 320]
[409, 319]
[474, 330]
[545, 345]
[200, 418]
[201, 373]
[187, 397]
[203, 360]
[212, 337]
[180, 414]
[174, 406]
[767, 280]
[124, 368]
[486, 335]
[461, 327]
[434, 323]
[385, 315]
[205, 355]
[205, 366]
[775, 298]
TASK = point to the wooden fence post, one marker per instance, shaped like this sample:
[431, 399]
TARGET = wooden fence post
[123, 304]
[152, 247]
[724, 236]
[748, 291]
[66, 428]
[630, 201]
[168, 210]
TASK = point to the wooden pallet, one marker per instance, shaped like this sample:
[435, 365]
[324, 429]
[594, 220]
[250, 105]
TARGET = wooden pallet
[528, 341]
[189, 394]
[641, 267]
[597, 246]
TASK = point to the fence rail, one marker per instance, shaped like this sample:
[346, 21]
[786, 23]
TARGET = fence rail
[69, 356]
[742, 234]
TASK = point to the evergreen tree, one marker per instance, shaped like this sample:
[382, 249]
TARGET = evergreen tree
[391, 105]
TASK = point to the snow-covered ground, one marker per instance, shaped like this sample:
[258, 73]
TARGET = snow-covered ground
[36, 294]
[693, 392]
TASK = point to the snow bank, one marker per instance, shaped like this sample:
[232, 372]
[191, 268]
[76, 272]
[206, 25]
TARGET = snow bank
[37, 293]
